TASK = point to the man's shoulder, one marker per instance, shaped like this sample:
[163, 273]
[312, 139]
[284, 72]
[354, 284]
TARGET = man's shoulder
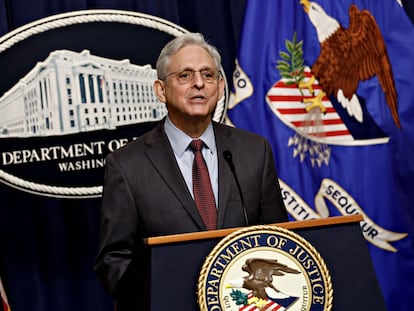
[235, 132]
[150, 137]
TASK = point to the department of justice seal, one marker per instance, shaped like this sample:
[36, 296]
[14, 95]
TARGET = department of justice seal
[264, 268]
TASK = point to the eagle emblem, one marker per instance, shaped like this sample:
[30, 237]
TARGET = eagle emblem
[348, 56]
[321, 101]
[260, 281]
[261, 272]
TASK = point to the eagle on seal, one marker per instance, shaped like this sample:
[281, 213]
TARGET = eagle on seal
[260, 278]
[348, 56]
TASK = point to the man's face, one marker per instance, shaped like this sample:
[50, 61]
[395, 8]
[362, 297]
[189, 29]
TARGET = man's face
[195, 100]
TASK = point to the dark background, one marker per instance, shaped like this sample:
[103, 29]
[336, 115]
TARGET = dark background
[47, 246]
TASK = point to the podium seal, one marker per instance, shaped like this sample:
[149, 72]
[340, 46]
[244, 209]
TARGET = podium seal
[264, 268]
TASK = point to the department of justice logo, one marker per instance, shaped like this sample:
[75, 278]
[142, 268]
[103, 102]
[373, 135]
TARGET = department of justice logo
[264, 268]
[78, 86]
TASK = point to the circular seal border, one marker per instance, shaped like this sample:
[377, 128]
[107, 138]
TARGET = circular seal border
[81, 17]
[260, 229]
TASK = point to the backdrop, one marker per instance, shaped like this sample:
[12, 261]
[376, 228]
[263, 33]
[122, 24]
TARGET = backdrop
[48, 244]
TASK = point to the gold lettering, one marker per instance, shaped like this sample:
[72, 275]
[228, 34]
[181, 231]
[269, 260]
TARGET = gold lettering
[212, 300]
[317, 299]
[216, 272]
[315, 288]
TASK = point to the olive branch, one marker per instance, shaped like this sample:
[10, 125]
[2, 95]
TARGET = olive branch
[291, 66]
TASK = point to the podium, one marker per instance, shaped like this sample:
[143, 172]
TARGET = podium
[174, 264]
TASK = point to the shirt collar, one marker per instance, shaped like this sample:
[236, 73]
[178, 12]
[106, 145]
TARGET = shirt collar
[180, 141]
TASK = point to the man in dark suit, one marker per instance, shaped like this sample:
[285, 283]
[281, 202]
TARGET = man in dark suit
[148, 189]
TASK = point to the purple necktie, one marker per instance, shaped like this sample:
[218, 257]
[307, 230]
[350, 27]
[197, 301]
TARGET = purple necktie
[203, 192]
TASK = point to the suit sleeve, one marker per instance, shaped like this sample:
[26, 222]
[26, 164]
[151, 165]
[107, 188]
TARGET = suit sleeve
[119, 226]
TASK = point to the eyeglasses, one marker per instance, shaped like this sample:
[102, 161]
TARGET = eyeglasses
[186, 76]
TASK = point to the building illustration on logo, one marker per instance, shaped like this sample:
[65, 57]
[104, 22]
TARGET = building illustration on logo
[72, 92]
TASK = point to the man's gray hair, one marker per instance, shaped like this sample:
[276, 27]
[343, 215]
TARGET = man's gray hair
[177, 44]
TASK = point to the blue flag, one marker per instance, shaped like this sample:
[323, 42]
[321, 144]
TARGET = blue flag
[330, 84]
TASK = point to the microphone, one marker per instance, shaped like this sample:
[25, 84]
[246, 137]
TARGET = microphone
[229, 159]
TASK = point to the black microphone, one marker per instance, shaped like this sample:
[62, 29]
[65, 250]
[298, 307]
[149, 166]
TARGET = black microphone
[229, 159]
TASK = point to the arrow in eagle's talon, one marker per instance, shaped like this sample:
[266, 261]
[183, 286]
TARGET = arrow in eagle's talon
[315, 102]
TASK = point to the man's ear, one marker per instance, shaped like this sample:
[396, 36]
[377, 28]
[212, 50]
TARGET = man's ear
[221, 88]
[159, 90]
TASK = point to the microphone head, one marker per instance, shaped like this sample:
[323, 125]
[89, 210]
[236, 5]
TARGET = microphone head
[227, 155]
[229, 159]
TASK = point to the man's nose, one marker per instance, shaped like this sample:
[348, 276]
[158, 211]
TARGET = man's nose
[198, 79]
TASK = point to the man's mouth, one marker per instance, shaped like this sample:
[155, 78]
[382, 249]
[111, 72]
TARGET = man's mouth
[197, 98]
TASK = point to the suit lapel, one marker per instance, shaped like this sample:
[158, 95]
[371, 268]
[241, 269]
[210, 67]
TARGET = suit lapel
[223, 143]
[160, 154]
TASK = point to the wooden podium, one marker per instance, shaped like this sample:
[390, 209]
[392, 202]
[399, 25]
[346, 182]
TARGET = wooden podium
[175, 262]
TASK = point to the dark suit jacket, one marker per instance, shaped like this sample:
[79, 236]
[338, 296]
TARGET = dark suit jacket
[145, 195]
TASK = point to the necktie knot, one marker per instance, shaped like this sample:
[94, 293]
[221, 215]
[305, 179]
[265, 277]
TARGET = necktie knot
[196, 145]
